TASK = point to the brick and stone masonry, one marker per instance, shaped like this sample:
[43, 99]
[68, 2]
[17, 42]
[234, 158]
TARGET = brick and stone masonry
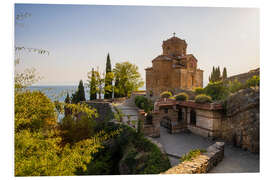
[173, 70]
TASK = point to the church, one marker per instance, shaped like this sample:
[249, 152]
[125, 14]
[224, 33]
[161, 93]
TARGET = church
[173, 70]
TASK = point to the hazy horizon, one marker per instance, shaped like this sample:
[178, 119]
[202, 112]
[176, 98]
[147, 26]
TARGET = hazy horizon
[79, 37]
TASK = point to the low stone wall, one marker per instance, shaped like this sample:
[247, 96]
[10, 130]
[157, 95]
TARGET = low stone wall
[202, 163]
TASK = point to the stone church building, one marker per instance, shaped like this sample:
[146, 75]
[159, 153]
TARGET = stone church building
[173, 70]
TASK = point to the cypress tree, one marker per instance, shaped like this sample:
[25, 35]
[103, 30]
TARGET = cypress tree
[108, 81]
[224, 73]
[81, 93]
[215, 75]
[67, 99]
[108, 64]
[93, 86]
[218, 77]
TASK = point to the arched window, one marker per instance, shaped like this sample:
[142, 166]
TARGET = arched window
[193, 117]
[180, 115]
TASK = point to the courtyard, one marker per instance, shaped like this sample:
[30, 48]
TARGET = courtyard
[235, 159]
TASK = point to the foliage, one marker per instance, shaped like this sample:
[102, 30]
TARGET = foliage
[139, 101]
[199, 90]
[79, 95]
[74, 130]
[96, 83]
[33, 110]
[131, 143]
[202, 98]
[128, 79]
[25, 79]
[143, 103]
[224, 73]
[192, 154]
[215, 75]
[216, 90]
[108, 79]
[39, 149]
[181, 97]
[116, 90]
[234, 86]
[166, 94]
[118, 115]
[253, 82]
[131, 148]
[92, 84]
[37, 154]
[67, 99]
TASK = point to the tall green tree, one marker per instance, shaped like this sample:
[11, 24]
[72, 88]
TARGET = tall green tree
[108, 79]
[224, 73]
[67, 99]
[129, 78]
[215, 75]
[79, 95]
[92, 84]
[81, 92]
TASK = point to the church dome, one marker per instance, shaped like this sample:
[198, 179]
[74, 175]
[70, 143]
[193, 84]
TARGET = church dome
[174, 46]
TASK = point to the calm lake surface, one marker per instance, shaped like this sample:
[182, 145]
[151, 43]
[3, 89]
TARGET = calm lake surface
[60, 92]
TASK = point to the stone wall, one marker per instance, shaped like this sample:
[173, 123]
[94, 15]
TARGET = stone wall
[202, 163]
[241, 126]
[242, 78]
[103, 109]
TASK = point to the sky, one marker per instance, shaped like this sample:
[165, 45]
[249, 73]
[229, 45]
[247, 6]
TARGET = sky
[79, 37]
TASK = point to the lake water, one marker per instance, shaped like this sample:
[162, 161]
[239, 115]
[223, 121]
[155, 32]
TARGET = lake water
[60, 92]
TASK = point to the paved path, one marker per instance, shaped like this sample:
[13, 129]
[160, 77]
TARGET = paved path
[129, 111]
[235, 159]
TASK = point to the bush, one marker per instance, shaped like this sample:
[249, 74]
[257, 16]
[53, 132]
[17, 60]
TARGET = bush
[131, 150]
[216, 90]
[235, 86]
[199, 90]
[140, 101]
[202, 98]
[166, 94]
[192, 154]
[253, 82]
[181, 97]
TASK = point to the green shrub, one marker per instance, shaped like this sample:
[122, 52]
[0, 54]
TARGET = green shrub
[234, 86]
[192, 154]
[140, 101]
[253, 82]
[216, 90]
[199, 90]
[203, 98]
[166, 94]
[181, 97]
[143, 103]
